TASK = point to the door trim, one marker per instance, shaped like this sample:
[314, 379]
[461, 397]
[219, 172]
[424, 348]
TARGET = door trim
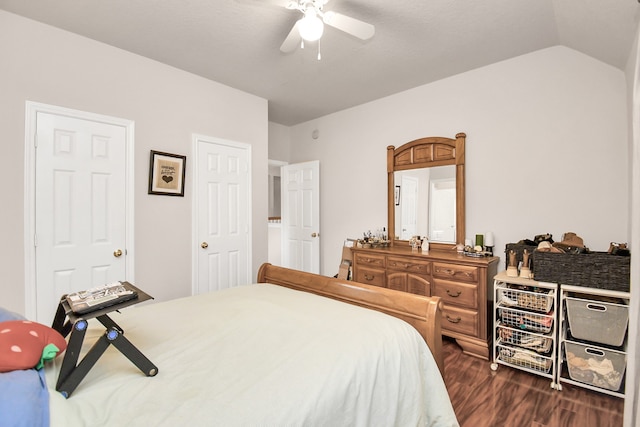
[31, 113]
[195, 242]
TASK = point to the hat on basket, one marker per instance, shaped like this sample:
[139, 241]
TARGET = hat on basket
[571, 242]
[545, 246]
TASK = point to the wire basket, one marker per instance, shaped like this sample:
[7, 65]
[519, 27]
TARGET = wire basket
[541, 300]
[524, 358]
[527, 320]
[599, 366]
[536, 342]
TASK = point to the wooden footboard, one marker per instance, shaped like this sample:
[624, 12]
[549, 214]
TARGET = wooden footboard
[423, 313]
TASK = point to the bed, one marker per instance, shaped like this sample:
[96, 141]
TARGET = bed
[286, 351]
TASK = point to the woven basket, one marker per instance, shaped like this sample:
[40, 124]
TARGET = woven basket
[598, 270]
[519, 248]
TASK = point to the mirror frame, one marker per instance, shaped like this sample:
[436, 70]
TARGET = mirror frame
[425, 153]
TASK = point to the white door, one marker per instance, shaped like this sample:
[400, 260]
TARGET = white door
[222, 214]
[409, 205]
[80, 207]
[301, 216]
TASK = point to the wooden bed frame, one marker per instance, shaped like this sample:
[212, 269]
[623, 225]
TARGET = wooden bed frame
[423, 313]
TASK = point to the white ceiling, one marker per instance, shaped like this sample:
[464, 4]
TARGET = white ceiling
[236, 42]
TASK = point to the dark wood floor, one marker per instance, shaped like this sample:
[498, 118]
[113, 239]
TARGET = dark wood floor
[510, 397]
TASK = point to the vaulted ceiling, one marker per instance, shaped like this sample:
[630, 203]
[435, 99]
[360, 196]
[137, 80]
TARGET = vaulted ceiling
[236, 42]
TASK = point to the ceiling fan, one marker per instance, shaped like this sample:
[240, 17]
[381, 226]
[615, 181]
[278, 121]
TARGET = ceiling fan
[311, 26]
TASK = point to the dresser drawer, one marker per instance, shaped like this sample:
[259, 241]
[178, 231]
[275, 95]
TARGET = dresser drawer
[456, 293]
[409, 265]
[370, 276]
[368, 260]
[455, 272]
[459, 320]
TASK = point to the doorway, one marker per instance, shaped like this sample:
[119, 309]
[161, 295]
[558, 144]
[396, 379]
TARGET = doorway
[79, 204]
[275, 212]
[442, 210]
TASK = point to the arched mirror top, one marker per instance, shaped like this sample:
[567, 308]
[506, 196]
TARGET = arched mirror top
[418, 204]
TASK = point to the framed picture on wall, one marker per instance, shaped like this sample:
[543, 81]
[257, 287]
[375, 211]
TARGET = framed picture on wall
[397, 195]
[166, 173]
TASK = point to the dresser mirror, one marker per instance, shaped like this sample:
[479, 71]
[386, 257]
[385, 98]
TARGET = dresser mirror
[426, 191]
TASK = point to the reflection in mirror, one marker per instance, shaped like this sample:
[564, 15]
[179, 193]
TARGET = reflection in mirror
[426, 203]
[274, 189]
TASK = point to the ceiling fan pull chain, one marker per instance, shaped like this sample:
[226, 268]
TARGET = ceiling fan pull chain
[320, 57]
[301, 43]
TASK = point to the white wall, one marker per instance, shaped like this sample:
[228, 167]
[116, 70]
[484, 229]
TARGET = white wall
[279, 142]
[51, 66]
[275, 243]
[279, 153]
[631, 407]
[547, 147]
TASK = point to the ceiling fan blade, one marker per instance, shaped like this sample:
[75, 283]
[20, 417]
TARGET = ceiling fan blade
[264, 3]
[292, 41]
[349, 25]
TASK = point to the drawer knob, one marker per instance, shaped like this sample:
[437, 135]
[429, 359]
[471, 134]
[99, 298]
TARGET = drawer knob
[369, 278]
[452, 294]
[452, 320]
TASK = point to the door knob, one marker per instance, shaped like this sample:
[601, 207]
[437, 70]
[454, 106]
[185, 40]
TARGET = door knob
[204, 245]
[117, 253]
[315, 234]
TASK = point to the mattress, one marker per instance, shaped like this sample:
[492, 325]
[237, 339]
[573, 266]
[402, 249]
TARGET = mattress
[258, 355]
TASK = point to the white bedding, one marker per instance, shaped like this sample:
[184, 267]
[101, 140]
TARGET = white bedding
[259, 355]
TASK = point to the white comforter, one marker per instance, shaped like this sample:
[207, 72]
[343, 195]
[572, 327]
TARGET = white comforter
[259, 355]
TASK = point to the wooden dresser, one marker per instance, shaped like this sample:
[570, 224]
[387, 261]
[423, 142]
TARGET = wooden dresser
[462, 282]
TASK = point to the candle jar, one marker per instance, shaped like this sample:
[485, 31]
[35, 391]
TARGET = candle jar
[488, 239]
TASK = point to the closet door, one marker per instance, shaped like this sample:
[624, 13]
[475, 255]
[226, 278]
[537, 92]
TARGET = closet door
[301, 216]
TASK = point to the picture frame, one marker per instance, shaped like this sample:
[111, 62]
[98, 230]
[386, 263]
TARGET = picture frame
[397, 195]
[167, 173]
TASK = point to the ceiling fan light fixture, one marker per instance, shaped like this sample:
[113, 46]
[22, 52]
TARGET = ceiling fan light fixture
[311, 26]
